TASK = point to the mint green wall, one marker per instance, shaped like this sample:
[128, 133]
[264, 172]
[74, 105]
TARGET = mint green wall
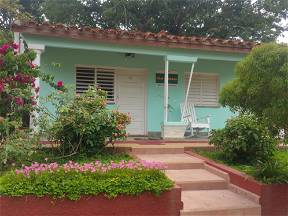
[68, 58]
[69, 52]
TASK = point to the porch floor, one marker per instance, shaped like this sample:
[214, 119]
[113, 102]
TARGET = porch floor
[160, 144]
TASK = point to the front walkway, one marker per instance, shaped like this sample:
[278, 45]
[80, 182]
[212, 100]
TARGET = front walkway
[205, 190]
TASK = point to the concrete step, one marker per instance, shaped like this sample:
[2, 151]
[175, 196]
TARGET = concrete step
[157, 150]
[217, 172]
[196, 179]
[174, 161]
[217, 202]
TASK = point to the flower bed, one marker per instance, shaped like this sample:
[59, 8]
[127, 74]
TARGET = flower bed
[126, 187]
[71, 180]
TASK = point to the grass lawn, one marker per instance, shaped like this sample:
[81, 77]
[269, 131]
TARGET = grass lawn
[281, 156]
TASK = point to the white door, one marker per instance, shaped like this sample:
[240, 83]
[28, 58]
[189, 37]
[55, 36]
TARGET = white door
[131, 98]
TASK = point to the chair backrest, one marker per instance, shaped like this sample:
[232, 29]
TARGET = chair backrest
[188, 113]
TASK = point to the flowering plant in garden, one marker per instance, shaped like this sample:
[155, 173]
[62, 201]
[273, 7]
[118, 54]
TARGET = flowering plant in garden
[83, 123]
[18, 94]
[72, 180]
[97, 166]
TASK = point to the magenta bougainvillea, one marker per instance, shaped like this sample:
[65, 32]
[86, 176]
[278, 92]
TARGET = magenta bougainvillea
[18, 74]
[18, 98]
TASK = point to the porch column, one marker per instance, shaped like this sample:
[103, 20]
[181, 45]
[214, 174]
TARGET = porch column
[39, 49]
[166, 90]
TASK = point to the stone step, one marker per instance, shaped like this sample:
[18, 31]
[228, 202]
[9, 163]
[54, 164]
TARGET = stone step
[217, 202]
[174, 161]
[196, 179]
[157, 150]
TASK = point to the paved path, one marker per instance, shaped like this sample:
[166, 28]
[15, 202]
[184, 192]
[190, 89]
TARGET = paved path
[205, 190]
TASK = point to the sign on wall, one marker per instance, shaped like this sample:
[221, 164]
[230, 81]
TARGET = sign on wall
[172, 78]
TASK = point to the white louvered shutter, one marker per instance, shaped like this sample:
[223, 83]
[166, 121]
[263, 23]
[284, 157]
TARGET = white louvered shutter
[85, 77]
[102, 78]
[204, 89]
[105, 79]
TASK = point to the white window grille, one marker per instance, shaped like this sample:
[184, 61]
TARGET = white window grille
[102, 78]
[204, 89]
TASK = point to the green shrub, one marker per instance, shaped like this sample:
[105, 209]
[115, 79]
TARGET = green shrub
[83, 123]
[18, 147]
[74, 184]
[261, 86]
[272, 172]
[244, 139]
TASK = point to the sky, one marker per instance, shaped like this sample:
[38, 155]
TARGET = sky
[284, 36]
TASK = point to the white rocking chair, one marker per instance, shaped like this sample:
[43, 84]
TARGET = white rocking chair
[188, 115]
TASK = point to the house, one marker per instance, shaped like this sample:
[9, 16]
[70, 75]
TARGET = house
[145, 74]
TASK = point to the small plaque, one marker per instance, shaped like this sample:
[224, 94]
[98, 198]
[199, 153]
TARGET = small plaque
[172, 78]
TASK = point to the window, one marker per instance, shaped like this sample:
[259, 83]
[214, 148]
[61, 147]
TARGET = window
[204, 89]
[103, 78]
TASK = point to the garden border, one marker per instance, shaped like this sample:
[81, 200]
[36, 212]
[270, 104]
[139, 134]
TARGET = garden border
[167, 203]
[273, 197]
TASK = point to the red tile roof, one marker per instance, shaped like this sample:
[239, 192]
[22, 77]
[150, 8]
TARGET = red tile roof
[162, 39]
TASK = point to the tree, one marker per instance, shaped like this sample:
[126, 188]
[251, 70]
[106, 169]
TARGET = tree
[34, 8]
[261, 85]
[10, 10]
[244, 19]
[69, 12]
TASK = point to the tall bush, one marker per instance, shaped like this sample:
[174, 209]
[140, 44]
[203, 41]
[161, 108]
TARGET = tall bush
[83, 123]
[261, 86]
[17, 98]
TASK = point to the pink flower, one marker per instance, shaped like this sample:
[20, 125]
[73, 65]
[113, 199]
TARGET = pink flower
[2, 87]
[19, 101]
[59, 84]
[15, 46]
[4, 48]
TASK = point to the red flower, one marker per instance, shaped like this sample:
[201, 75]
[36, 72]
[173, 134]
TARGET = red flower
[4, 48]
[19, 101]
[37, 89]
[1, 86]
[34, 103]
[59, 84]
[15, 46]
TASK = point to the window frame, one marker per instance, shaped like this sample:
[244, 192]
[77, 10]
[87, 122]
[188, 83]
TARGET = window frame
[205, 74]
